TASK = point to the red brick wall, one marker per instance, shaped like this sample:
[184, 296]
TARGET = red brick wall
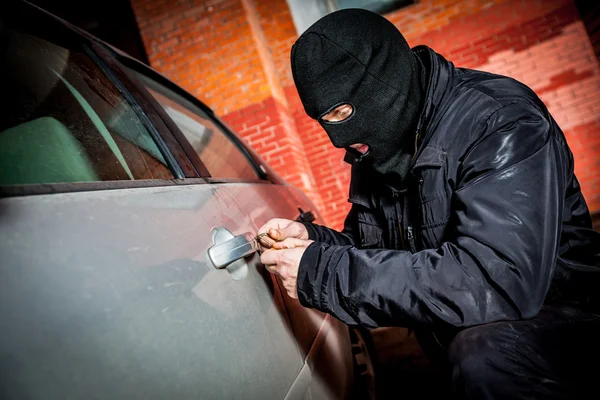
[542, 43]
[220, 51]
[234, 55]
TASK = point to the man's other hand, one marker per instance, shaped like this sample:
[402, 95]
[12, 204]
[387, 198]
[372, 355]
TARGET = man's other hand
[279, 229]
[284, 260]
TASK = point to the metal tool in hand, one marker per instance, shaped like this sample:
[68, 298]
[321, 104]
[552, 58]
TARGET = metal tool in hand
[264, 240]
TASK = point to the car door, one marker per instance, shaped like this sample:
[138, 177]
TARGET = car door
[323, 341]
[106, 291]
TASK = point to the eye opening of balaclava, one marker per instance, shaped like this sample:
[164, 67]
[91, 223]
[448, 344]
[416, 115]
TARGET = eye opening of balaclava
[359, 58]
[322, 119]
[357, 156]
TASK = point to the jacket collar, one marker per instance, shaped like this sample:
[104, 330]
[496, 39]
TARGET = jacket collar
[440, 72]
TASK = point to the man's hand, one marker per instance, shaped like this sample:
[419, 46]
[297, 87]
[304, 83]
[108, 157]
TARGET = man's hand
[284, 259]
[280, 229]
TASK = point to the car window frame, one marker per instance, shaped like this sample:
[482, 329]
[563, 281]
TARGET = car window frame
[156, 76]
[177, 169]
[185, 166]
[151, 106]
[176, 159]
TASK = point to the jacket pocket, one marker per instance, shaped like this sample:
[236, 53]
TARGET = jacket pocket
[434, 217]
[371, 233]
[433, 235]
[433, 199]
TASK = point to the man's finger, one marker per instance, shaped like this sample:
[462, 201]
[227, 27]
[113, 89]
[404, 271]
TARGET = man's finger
[278, 233]
[273, 223]
[270, 257]
[291, 290]
[283, 230]
[274, 269]
[290, 243]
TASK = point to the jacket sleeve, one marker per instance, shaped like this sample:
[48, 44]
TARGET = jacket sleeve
[498, 264]
[322, 234]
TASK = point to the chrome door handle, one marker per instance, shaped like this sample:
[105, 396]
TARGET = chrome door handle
[229, 248]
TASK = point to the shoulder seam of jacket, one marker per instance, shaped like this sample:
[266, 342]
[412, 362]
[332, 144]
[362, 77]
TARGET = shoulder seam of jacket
[493, 172]
[486, 120]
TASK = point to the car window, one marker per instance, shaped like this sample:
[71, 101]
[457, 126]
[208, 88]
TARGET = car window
[63, 120]
[221, 156]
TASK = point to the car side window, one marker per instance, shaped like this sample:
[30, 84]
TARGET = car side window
[63, 120]
[221, 156]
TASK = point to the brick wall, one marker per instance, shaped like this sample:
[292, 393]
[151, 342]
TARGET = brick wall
[234, 55]
[542, 43]
[221, 51]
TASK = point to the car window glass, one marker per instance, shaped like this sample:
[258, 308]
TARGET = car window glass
[64, 121]
[221, 156]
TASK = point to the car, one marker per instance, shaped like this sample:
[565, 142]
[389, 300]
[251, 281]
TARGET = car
[128, 213]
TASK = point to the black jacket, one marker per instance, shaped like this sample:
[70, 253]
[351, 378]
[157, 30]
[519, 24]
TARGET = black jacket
[491, 225]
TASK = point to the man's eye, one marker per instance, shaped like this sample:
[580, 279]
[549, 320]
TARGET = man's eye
[339, 114]
[343, 113]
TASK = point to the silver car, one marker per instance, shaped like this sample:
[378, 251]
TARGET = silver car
[127, 254]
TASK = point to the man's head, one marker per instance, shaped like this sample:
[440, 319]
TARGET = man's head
[357, 76]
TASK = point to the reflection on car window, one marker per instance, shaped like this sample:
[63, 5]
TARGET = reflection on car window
[63, 120]
[220, 155]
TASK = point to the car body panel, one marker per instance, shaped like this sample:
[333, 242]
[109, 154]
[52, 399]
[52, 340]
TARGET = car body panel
[106, 292]
[323, 340]
[110, 293]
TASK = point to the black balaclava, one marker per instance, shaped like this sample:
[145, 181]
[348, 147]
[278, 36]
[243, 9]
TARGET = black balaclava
[358, 57]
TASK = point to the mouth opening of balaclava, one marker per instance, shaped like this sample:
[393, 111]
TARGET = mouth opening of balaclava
[358, 57]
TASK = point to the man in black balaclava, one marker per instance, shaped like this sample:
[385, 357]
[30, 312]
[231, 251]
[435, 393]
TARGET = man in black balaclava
[467, 221]
[372, 70]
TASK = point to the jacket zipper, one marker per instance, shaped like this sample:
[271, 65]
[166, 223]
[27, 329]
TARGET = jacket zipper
[416, 144]
[402, 214]
[395, 196]
[420, 189]
[409, 228]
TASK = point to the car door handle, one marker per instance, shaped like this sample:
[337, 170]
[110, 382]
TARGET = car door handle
[229, 249]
